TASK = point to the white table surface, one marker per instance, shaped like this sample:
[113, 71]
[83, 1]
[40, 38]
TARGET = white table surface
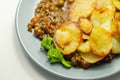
[14, 63]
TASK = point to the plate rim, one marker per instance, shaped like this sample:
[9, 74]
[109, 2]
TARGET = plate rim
[38, 63]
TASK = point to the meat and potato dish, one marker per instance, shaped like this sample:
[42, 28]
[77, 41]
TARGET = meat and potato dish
[79, 33]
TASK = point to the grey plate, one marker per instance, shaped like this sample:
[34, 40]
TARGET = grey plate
[25, 12]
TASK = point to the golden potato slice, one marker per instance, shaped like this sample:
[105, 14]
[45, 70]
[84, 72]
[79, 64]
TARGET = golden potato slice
[81, 8]
[117, 4]
[62, 38]
[102, 18]
[117, 18]
[103, 14]
[100, 41]
[105, 4]
[68, 37]
[116, 46]
[85, 36]
[85, 25]
[114, 29]
[91, 58]
[84, 47]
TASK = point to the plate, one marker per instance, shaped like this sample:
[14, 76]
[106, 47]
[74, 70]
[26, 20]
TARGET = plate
[24, 13]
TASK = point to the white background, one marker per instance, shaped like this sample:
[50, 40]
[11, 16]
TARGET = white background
[14, 64]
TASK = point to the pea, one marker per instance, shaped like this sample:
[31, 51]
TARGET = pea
[60, 3]
[37, 10]
[30, 28]
[56, 9]
[37, 31]
[52, 7]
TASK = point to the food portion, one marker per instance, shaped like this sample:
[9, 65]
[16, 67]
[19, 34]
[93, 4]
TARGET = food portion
[86, 25]
[79, 33]
[117, 4]
[90, 57]
[100, 41]
[116, 46]
[84, 47]
[81, 8]
[54, 54]
[68, 37]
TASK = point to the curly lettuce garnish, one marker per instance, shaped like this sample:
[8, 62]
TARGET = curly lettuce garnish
[54, 55]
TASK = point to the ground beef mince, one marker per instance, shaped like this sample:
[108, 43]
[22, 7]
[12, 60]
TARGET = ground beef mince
[49, 14]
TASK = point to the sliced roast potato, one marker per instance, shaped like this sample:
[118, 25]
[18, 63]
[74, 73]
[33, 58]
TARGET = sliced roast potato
[117, 19]
[105, 19]
[117, 4]
[115, 29]
[105, 4]
[100, 41]
[84, 47]
[68, 37]
[62, 38]
[116, 46]
[81, 8]
[90, 57]
[85, 36]
[103, 15]
[85, 25]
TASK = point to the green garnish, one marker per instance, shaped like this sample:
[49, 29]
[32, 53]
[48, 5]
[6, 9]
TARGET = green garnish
[54, 55]
[46, 43]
